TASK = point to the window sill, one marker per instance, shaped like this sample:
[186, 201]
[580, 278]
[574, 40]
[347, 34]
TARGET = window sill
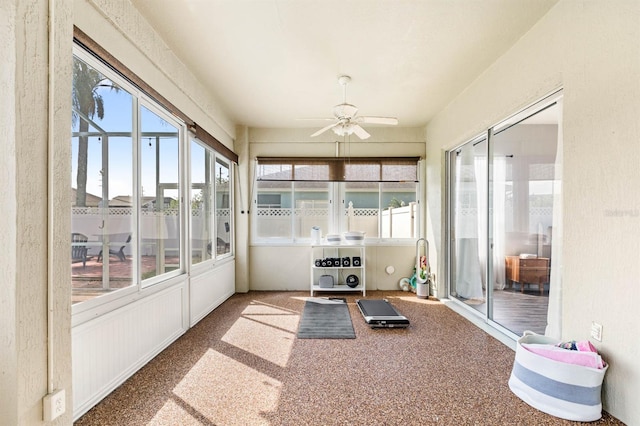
[307, 243]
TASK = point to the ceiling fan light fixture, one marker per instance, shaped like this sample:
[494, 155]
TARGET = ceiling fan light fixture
[343, 129]
[350, 128]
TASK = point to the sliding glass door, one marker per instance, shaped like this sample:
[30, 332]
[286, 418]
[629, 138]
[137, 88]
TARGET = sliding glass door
[505, 220]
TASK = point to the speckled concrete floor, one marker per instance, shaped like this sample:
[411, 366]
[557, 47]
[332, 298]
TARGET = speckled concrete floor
[243, 365]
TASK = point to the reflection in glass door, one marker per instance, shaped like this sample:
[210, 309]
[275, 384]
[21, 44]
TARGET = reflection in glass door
[525, 188]
[504, 220]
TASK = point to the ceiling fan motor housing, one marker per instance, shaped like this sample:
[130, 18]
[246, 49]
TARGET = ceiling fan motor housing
[347, 111]
[343, 80]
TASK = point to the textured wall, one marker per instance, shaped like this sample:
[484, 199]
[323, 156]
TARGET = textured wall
[592, 50]
[31, 216]
[8, 234]
[59, 229]
[32, 225]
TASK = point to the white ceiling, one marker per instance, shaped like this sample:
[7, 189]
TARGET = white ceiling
[271, 62]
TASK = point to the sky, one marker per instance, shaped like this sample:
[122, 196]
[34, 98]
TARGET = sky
[118, 118]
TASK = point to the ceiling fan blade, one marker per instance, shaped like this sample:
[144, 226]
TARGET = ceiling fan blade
[360, 132]
[390, 121]
[316, 119]
[324, 129]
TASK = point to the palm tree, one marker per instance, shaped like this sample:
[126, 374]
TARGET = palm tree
[87, 101]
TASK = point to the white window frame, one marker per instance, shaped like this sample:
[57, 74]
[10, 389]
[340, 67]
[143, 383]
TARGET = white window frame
[110, 301]
[337, 219]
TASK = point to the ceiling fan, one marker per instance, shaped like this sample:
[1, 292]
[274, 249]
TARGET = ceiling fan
[346, 120]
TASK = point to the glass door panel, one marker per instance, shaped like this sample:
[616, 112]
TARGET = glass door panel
[468, 223]
[504, 221]
[522, 184]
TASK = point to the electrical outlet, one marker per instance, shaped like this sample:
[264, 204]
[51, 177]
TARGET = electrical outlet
[53, 405]
[596, 331]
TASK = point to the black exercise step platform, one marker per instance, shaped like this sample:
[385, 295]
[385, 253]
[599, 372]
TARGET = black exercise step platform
[379, 313]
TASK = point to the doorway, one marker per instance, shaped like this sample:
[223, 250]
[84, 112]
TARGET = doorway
[504, 220]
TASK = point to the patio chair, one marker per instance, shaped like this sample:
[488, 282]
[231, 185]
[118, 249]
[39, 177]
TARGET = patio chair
[222, 246]
[78, 249]
[119, 253]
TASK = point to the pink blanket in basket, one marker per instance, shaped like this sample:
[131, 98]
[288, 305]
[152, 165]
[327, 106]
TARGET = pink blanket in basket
[584, 358]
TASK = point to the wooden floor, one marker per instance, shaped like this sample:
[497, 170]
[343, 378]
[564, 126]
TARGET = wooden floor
[518, 311]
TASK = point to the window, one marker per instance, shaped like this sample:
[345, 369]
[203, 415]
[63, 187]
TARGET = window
[160, 218]
[202, 189]
[210, 204]
[266, 200]
[311, 207]
[223, 207]
[126, 220]
[102, 183]
[399, 210]
[377, 196]
[129, 186]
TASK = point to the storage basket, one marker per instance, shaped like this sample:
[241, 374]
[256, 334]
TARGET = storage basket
[568, 391]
